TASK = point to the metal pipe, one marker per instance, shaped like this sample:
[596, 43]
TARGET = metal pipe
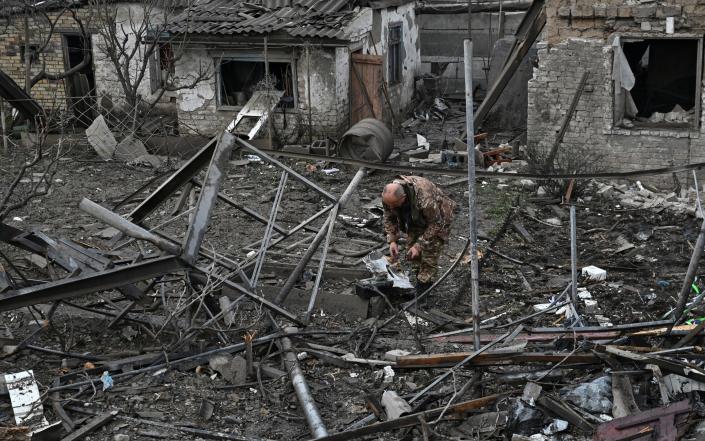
[308, 405]
[573, 259]
[268, 230]
[127, 227]
[296, 273]
[472, 201]
[308, 92]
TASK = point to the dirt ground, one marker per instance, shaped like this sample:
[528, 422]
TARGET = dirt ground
[642, 285]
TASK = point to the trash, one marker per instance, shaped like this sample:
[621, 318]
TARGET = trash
[25, 399]
[379, 267]
[415, 320]
[253, 158]
[422, 142]
[330, 171]
[594, 396]
[388, 374]
[524, 419]
[594, 273]
[302, 356]
[107, 381]
[394, 353]
[555, 427]
[394, 405]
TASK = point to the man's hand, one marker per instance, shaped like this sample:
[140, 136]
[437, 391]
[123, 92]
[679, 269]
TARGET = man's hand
[394, 251]
[413, 253]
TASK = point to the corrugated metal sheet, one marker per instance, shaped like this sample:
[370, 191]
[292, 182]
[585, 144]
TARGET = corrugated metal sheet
[299, 18]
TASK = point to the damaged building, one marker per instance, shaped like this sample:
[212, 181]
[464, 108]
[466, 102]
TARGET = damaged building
[642, 93]
[336, 62]
[57, 50]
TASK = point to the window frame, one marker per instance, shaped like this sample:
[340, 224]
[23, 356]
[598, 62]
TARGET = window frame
[157, 68]
[394, 69]
[254, 56]
[618, 98]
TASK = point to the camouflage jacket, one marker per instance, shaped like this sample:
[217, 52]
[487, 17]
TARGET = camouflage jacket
[425, 215]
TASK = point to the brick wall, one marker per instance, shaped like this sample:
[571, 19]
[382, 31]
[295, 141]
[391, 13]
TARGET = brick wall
[578, 37]
[12, 38]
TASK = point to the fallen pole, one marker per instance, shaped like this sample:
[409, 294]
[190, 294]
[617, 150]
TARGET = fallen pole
[133, 230]
[308, 405]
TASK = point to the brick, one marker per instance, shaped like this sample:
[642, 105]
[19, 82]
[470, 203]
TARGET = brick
[624, 11]
[644, 11]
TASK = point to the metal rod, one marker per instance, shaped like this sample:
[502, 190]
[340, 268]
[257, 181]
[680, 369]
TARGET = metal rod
[322, 263]
[308, 405]
[296, 273]
[573, 259]
[268, 230]
[5, 150]
[308, 92]
[283, 166]
[472, 202]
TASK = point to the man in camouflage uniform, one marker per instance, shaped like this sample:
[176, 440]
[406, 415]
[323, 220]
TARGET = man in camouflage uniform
[415, 206]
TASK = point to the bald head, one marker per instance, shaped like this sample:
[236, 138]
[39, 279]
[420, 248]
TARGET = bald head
[393, 195]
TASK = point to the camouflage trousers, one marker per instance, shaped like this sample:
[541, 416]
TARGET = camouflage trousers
[426, 266]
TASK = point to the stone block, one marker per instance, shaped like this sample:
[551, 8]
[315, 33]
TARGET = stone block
[624, 11]
[644, 11]
[645, 26]
[564, 11]
[669, 11]
[599, 10]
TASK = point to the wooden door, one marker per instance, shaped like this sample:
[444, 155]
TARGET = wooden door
[365, 87]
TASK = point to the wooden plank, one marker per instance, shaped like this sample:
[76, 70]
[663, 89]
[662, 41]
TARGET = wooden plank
[368, 59]
[529, 337]
[490, 359]
[92, 425]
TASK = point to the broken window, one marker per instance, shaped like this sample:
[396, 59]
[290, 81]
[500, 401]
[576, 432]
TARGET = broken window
[239, 79]
[657, 82]
[394, 53]
[161, 66]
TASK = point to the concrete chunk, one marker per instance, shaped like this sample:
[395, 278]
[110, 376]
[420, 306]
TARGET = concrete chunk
[130, 149]
[101, 138]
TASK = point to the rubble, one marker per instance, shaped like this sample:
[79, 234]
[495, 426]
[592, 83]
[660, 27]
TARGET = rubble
[247, 296]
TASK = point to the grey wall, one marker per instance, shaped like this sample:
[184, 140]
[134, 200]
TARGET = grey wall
[442, 38]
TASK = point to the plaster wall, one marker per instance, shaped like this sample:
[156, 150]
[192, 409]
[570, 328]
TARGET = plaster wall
[199, 113]
[107, 84]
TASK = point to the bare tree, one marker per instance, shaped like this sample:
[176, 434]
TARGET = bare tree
[135, 40]
[36, 23]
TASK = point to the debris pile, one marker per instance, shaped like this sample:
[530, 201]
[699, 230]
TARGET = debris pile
[152, 328]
